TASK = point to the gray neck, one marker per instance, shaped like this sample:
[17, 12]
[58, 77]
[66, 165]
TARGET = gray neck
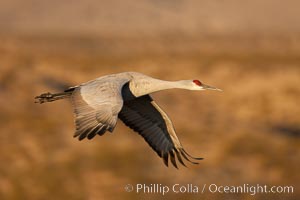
[142, 87]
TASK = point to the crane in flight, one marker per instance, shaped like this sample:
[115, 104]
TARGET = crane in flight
[100, 102]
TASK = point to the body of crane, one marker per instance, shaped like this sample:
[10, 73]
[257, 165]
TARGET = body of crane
[100, 102]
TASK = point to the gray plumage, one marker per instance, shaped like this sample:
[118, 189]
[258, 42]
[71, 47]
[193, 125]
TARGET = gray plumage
[100, 102]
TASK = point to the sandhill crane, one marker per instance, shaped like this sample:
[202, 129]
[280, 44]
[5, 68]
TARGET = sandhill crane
[100, 102]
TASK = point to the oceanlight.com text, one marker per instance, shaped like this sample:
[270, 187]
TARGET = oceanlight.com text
[208, 188]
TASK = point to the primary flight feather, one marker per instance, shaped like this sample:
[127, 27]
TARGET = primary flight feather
[100, 102]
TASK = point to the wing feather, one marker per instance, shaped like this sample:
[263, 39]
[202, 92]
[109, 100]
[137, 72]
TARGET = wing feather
[144, 116]
[96, 106]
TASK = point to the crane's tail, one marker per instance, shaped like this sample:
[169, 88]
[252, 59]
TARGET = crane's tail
[48, 97]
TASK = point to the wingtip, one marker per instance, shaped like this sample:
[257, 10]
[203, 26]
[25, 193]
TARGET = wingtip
[188, 157]
[195, 158]
[179, 157]
[165, 157]
[173, 160]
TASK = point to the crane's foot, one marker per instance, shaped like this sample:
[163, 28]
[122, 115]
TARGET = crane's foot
[45, 97]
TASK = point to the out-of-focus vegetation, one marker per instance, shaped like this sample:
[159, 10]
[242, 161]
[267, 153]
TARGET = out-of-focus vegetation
[248, 134]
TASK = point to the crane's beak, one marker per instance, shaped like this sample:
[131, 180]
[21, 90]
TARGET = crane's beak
[207, 87]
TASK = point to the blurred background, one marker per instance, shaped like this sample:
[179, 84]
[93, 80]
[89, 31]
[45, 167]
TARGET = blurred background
[248, 134]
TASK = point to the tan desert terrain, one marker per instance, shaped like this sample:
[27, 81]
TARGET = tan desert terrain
[248, 134]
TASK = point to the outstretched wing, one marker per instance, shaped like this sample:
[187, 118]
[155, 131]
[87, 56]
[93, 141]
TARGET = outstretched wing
[144, 116]
[96, 106]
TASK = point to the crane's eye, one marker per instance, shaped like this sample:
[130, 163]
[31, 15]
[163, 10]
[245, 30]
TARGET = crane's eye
[197, 82]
